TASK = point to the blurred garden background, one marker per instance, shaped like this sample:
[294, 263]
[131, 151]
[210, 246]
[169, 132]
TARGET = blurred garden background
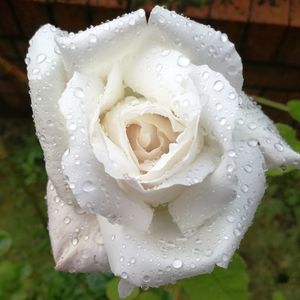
[267, 36]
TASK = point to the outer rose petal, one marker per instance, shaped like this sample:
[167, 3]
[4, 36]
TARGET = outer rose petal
[254, 125]
[163, 255]
[98, 48]
[93, 188]
[76, 238]
[202, 44]
[47, 81]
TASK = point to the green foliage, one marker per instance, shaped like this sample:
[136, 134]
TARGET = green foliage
[5, 242]
[294, 109]
[112, 291]
[221, 284]
[290, 135]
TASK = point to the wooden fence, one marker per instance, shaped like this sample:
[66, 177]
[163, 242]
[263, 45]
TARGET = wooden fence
[266, 34]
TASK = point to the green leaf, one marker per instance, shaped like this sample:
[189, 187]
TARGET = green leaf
[221, 284]
[97, 283]
[294, 109]
[112, 291]
[5, 242]
[289, 134]
[148, 296]
[277, 295]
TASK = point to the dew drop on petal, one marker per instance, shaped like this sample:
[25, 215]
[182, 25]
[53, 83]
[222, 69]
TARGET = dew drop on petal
[278, 147]
[237, 232]
[245, 188]
[40, 58]
[88, 186]
[177, 264]
[74, 241]
[222, 121]
[67, 220]
[183, 61]
[248, 168]
[204, 75]
[218, 85]
[146, 278]
[78, 92]
[230, 218]
[92, 38]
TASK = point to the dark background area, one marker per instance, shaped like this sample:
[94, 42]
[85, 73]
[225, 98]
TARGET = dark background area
[267, 36]
[266, 33]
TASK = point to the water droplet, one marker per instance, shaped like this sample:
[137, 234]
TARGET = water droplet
[35, 71]
[75, 241]
[177, 264]
[158, 68]
[131, 21]
[278, 147]
[237, 232]
[124, 275]
[232, 95]
[252, 126]
[67, 220]
[146, 278]
[41, 58]
[219, 106]
[88, 186]
[72, 126]
[252, 143]
[161, 19]
[113, 237]
[222, 121]
[224, 37]
[208, 252]
[231, 153]
[230, 218]
[132, 260]
[225, 257]
[245, 188]
[78, 92]
[165, 52]
[183, 61]
[230, 168]
[218, 85]
[92, 38]
[248, 168]
[204, 75]
[186, 102]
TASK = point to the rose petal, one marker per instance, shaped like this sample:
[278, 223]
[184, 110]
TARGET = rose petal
[94, 190]
[173, 186]
[47, 81]
[96, 49]
[168, 71]
[76, 238]
[201, 43]
[203, 200]
[219, 112]
[254, 125]
[114, 90]
[163, 255]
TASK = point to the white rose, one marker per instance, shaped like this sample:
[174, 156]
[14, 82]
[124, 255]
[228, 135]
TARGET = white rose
[155, 156]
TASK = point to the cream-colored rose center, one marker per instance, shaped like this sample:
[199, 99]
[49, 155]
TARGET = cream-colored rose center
[150, 136]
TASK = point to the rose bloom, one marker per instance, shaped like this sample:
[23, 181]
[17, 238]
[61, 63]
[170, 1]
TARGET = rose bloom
[155, 156]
